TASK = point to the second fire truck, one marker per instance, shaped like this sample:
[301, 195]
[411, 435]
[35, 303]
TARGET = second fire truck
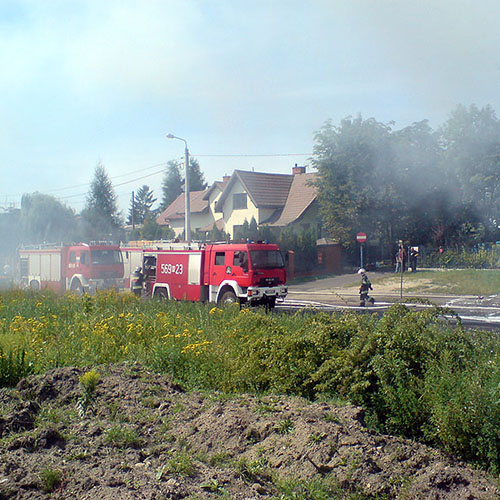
[81, 268]
[251, 273]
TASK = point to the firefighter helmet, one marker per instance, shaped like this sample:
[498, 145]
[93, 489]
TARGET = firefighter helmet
[361, 271]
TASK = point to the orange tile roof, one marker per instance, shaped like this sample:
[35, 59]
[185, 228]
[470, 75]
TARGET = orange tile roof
[302, 194]
[176, 209]
[265, 190]
[219, 224]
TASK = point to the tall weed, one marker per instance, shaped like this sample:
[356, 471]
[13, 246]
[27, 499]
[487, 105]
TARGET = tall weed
[13, 367]
[463, 259]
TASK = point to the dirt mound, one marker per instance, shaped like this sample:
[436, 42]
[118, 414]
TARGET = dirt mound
[143, 437]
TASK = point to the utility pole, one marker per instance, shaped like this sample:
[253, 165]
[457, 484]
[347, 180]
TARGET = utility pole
[187, 215]
[187, 196]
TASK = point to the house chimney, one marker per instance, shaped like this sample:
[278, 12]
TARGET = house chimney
[298, 170]
[226, 178]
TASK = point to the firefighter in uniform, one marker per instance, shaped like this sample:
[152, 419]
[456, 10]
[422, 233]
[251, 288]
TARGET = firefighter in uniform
[137, 282]
[364, 288]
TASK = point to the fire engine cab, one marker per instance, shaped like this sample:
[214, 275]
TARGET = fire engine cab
[251, 273]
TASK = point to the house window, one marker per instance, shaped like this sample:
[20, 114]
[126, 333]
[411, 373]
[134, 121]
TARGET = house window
[239, 201]
[220, 258]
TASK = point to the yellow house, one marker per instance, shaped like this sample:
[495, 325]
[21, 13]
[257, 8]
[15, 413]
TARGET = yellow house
[252, 194]
[202, 210]
[276, 200]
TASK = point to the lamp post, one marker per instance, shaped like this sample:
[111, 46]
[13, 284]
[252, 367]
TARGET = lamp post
[187, 215]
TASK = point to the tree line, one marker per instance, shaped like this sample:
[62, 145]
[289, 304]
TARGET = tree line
[429, 187]
[43, 218]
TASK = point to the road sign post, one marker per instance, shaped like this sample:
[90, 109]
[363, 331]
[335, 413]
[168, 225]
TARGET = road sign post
[361, 237]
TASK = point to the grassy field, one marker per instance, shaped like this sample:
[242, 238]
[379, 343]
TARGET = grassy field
[415, 374]
[454, 281]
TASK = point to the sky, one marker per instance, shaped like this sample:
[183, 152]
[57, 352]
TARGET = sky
[246, 83]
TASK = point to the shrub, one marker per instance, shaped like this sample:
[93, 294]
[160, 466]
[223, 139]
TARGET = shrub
[465, 409]
[88, 383]
[463, 259]
[282, 354]
[384, 367]
[13, 367]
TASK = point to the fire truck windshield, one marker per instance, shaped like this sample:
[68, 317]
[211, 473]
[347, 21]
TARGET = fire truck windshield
[106, 257]
[266, 259]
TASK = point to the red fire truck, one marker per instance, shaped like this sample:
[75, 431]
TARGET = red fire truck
[81, 268]
[221, 273]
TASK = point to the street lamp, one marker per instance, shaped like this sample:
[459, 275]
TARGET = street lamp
[187, 215]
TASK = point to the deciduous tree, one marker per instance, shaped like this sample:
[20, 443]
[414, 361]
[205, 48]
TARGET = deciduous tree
[471, 152]
[45, 219]
[355, 179]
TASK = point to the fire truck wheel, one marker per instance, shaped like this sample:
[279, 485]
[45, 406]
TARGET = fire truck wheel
[228, 298]
[77, 287]
[161, 294]
[34, 285]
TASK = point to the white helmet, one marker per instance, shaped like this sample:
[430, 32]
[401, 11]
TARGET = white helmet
[361, 271]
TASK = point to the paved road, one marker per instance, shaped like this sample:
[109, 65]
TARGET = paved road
[329, 294]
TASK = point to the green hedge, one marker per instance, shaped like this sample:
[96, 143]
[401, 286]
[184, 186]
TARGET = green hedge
[463, 259]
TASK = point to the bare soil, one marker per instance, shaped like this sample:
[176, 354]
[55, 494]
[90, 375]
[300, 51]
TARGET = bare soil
[143, 437]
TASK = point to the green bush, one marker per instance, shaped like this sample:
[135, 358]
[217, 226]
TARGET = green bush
[13, 366]
[463, 259]
[281, 354]
[464, 399]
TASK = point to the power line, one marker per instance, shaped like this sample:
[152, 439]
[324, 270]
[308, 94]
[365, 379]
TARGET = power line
[116, 185]
[163, 165]
[114, 177]
[252, 156]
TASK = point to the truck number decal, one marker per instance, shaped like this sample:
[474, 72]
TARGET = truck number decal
[172, 268]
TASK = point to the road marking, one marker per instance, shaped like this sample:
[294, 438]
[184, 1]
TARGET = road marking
[380, 306]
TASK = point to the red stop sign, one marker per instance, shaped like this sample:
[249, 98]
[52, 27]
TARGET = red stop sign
[361, 237]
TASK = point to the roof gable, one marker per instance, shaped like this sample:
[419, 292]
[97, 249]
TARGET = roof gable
[302, 194]
[265, 190]
[220, 185]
